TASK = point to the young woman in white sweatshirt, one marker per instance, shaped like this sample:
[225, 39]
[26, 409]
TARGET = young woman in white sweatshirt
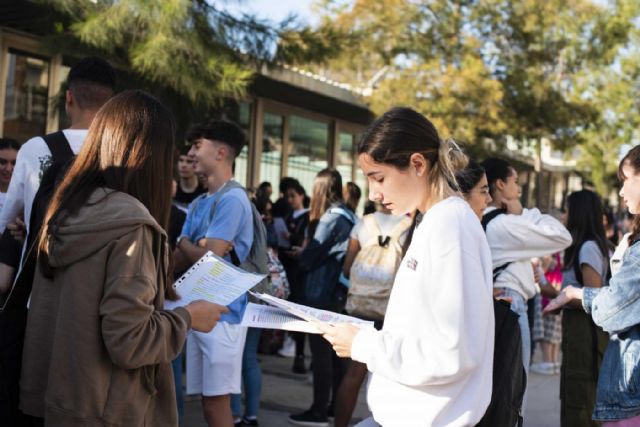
[431, 363]
[516, 237]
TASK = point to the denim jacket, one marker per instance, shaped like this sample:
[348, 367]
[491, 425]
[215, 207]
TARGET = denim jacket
[322, 258]
[616, 308]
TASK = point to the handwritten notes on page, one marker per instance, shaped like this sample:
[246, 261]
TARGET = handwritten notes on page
[213, 279]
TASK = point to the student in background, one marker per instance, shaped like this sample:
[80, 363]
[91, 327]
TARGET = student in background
[583, 343]
[474, 186]
[432, 360]
[264, 191]
[297, 223]
[515, 236]
[8, 153]
[615, 309]
[330, 223]
[91, 82]
[352, 195]
[103, 244]
[220, 221]
[189, 186]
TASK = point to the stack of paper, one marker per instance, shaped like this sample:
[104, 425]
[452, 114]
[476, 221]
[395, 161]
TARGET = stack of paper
[289, 316]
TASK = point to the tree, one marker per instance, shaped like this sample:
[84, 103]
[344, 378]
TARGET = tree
[496, 68]
[431, 61]
[193, 47]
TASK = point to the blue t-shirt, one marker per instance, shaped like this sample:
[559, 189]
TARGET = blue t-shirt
[232, 222]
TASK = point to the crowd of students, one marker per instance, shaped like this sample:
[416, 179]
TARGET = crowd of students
[86, 267]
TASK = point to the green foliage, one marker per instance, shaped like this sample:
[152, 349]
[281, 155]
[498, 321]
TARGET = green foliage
[193, 47]
[530, 69]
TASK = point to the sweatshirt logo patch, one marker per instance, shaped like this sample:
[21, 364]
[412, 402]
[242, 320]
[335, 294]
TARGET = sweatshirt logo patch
[412, 264]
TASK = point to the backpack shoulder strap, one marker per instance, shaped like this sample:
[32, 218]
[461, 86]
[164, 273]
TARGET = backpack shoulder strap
[59, 146]
[228, 186]
[370, 222]
[487, 218]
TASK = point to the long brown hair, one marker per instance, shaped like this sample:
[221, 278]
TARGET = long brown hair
[129, 148]
[631, 159]
[401, 132]
[327, 190]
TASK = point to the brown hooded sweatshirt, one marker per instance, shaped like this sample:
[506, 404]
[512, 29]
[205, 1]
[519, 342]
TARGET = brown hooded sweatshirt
[98, 345]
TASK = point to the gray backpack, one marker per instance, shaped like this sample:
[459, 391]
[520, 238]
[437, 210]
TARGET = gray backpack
[256, 261]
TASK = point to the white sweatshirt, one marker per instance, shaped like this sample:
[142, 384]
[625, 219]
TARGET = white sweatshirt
[34, 156]
[432, 362]
[517, 239]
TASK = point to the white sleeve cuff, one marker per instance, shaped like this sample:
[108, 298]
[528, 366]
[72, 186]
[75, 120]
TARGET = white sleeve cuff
[362, 345]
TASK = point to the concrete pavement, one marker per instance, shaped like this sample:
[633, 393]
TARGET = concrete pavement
[284, 392]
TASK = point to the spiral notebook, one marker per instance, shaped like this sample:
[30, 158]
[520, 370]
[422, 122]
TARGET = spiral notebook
[213, 279]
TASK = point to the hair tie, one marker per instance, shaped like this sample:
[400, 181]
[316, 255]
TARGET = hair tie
[455, 146]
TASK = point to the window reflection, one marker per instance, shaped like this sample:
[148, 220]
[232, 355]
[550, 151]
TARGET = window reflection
[308, 150]
[271, 160]
[26, 97]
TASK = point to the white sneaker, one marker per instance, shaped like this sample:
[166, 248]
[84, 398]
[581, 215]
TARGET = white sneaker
[544, 368]
[288, 347]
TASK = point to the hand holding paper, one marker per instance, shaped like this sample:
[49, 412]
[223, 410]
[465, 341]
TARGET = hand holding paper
[340, 336]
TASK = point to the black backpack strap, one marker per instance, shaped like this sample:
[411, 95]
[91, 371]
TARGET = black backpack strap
[487, 218]
[235, 259]
[59, 146]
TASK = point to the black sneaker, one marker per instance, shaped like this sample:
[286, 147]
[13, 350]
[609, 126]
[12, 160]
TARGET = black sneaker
[249, 422]
[298, 365]
[309, 419]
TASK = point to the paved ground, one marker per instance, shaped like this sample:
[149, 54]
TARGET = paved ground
[285, 392]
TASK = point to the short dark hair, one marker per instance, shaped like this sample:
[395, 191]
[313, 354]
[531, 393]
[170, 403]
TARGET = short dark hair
[496, 169]
[223, 131]
[92, 81]
[9, 143]
[469, 177]
[287, 182]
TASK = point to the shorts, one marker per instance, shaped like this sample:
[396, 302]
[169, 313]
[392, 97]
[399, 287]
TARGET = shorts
[214, 360]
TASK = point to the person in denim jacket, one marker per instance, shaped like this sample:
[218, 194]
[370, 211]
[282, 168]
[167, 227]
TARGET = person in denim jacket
[330, 224]
[616, 308]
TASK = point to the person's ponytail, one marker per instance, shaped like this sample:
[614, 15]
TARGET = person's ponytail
[450, 160]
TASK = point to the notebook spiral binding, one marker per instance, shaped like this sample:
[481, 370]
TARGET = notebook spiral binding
[193, 268]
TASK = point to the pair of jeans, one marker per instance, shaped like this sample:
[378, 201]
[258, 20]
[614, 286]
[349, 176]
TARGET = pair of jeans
[251, 377]
[176, 366]
[519, 307]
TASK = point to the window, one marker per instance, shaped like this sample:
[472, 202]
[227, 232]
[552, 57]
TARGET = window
[308, 150]
[271, 160]
[26, 97]
[344, 162]
[243, 120]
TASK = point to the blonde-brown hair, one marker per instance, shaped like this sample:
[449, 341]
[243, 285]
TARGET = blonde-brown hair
[327, 190]
[401, 132]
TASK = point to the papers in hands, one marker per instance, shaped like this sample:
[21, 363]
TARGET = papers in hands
[265, 316]
[286, 309]
[213, 279]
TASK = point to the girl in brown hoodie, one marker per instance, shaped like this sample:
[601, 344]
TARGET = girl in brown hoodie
[98, 343]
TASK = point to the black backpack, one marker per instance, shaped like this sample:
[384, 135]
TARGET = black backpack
[61, 158]
[509, 376]
[13, 314]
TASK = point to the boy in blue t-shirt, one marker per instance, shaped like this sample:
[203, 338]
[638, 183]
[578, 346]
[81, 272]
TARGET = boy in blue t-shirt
[214, 359]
